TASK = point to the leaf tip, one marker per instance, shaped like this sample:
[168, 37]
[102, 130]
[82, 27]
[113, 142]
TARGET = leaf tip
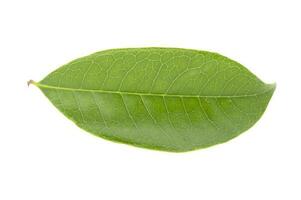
[273, 86]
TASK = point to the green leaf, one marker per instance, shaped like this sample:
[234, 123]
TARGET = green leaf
[158, 98]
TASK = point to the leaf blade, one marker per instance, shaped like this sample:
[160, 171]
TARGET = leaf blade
[205, 100]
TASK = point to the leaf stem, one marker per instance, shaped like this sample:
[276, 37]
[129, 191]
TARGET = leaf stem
[31, 82]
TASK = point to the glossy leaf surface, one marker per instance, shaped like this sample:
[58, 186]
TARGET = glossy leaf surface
[158, 98]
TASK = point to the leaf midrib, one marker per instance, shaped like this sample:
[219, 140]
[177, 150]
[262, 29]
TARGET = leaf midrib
[272, 86]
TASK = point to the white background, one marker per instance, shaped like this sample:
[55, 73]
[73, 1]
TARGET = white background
[45, 156]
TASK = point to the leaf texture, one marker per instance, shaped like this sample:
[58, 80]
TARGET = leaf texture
[159, 98]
